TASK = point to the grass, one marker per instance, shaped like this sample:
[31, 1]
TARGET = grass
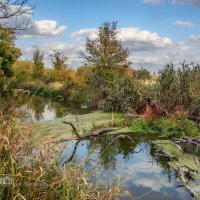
[35, 173]
[55, 130]
[166, 127]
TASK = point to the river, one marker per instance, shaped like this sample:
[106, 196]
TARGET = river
[144, 175]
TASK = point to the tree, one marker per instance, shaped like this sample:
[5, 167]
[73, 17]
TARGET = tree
[105, 53]
[142, 74]
[12, 12]
[58, 60]
[8, 55]
[60, 66]
[38, 65]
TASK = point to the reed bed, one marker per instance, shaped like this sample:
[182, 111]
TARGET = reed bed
[35, 174]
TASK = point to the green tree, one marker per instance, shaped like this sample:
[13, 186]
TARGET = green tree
[61, 69]
[59, 60]
[143, 74]
[38, 65]
[105, 53]
[8, 55]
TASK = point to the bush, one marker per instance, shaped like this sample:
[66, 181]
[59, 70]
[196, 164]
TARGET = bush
[174, 87]
[167, 127]
[123, 96]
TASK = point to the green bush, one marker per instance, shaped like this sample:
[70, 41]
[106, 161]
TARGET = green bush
[167, 127]
[123, 96]
[175, 86]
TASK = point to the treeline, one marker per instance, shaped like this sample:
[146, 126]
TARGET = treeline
[106, 81]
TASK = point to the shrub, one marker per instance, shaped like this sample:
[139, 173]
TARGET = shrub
[167, 127]
[174, 87]
[123, 96]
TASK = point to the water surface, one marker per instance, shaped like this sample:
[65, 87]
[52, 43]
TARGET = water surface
[35, 108]
[145, 176]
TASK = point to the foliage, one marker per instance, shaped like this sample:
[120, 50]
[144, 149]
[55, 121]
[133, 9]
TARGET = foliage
[58, 60]
[38, 65]
[122, 96]
[195, 77]
[174, 87]
[60, 67]
[194, 108]
[167, 127]
[104, 54]
[8, 55]
[23, 72]
[142, 74]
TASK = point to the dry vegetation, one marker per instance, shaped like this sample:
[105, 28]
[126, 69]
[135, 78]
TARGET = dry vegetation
[35, 172]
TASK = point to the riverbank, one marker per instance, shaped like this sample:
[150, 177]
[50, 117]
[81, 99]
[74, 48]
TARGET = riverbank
[85, 124]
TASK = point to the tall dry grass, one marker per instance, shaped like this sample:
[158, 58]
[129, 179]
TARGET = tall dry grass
[35, 173]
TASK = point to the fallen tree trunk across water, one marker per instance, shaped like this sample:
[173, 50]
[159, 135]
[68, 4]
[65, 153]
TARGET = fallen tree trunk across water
[92, 134]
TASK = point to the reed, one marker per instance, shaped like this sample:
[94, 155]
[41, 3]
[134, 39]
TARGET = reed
[35, 172]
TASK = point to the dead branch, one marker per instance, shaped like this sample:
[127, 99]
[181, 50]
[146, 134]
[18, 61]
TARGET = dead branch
[195, 141]
[92, 134]
[13, 14]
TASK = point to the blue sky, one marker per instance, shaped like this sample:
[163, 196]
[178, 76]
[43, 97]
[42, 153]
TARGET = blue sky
[156, 31]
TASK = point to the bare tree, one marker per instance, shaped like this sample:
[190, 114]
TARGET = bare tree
[13, 12]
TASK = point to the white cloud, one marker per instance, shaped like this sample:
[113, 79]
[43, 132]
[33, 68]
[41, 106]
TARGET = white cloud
[69, 50]
[15, 16]
[146, 49]
[177, 53]
[143, 40]
[83, 33]
[151, 60]
[184, 23]
[44, 28]
[134, 38]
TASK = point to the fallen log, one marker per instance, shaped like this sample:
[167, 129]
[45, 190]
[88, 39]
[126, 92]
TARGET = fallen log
[92, 134]
[194, 141]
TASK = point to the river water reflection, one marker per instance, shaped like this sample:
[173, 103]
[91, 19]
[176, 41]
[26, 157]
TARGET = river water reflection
[145, 176]
[36, 108]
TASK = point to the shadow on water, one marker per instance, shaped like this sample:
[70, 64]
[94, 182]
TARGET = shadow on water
[145, 175]
[36, 108]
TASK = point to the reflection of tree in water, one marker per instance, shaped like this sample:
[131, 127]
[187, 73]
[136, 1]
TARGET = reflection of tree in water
[109, 147]
[162, 162]
[59, 109]
[37, 104]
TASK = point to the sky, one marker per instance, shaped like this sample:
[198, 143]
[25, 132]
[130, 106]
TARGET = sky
[155, 31]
